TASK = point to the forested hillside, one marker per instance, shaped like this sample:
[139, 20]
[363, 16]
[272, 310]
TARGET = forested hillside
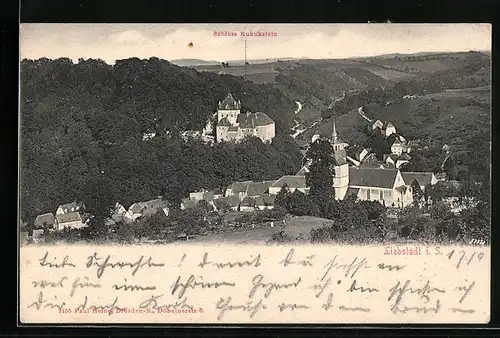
[82, 126]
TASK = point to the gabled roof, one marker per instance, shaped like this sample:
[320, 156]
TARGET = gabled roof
[71, 207]
[372, 177]
[265, 200]
[404, 156]
[423, 178]
[136, 208]
[291, 182]
[44, 218]
[224, 122]
[70, 217]
[397, 142]
[370, 161]
[360, 150]
[237, 187]
[229, 103]
[258, 188]
[233, 201]
[304, 170]
[248, 202]
[156, 203]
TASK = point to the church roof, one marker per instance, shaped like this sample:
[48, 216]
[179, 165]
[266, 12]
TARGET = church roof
[372, 177]
[229, 103]
[251, 120]
[224, 122]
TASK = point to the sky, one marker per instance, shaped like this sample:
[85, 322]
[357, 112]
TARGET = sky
[111, 42]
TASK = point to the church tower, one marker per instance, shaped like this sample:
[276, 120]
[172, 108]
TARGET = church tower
[341, 178]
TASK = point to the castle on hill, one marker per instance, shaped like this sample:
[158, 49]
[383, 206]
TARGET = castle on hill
[233, 125]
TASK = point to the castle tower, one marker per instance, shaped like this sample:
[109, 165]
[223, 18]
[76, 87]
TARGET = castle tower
[229, 108]
[341, 178]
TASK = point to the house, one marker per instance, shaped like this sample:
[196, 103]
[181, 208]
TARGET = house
[361, 153]
[258, 188]
[303, 171]
[232, 201]
[265, 201]
[203, 195]
[68, 208]
[422, 178]
[238, 189]
[388, 129]
[397, 147]
[377, 124]
[403, 159]
[292, 181]
[386, 186]
[248, 204]
[370, 161]
[153, 206]
[135, 210]
[188, 203]
[45, 221]
[72, 220]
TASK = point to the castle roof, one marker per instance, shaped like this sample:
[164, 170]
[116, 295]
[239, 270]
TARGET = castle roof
[224, 122]
[372, 177]
[229, 103]
[251, 120]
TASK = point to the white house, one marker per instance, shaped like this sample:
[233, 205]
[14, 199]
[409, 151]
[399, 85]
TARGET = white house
[72, 220]
[377, 124]
[397, 147]
[386, 186]
[388, 129]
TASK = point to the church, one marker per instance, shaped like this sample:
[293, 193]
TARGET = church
[386, 186]
[233, 125]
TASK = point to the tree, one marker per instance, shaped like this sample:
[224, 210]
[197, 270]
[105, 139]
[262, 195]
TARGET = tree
[319, 179]
[418, 194]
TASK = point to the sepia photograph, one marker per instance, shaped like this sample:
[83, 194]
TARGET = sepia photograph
[340, 136]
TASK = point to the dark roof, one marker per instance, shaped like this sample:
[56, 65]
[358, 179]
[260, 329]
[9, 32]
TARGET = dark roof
[229, 103]
[237, 187]
[70, 217]
[340, 157]
[44, 218]
[372, 177]
[187, 203]
[233, 201]
[404, 156]
[224, 122]
[291, 182]
[370, 161]
[423, 178]
[251, 120]
[265, 200]
[248, 202]
[258, 188]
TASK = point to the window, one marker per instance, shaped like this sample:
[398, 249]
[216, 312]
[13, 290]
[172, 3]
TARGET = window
[367, 194]
[381, 196]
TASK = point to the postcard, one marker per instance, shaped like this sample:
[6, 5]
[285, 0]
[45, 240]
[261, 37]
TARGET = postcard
[255, 174]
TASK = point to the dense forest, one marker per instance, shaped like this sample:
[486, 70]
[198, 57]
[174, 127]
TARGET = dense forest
[82, 125]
